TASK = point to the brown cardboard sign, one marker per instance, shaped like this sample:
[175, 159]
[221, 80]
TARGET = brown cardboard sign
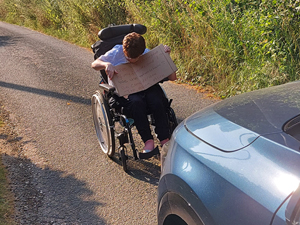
[151, 68]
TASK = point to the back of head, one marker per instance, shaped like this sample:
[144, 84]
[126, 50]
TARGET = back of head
[133, 45]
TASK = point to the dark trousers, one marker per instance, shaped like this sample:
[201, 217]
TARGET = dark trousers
[151, 101]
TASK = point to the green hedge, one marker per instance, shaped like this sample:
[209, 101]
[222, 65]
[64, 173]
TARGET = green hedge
[233, 46]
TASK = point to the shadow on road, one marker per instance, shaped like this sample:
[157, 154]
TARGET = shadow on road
[7, 40]
[46, 93]
[144, 170]
[45, 196]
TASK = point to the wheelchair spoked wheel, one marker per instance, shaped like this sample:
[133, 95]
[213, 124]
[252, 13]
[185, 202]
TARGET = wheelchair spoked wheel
[103, 124]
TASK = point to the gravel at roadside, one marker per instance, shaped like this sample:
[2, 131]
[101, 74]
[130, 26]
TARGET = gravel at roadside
[21, 173]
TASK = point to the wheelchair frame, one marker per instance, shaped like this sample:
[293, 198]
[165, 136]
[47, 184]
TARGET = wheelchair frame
[105, 117]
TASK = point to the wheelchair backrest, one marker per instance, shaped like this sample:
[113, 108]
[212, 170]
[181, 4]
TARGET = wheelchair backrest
[111, 36]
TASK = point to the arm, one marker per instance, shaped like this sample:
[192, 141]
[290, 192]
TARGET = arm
[108, 67]
[172, 77]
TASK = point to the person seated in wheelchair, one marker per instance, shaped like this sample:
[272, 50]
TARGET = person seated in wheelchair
[139, 104]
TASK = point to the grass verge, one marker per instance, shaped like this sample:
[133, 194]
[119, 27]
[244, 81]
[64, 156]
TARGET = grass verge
[6, 196]
[230, 47]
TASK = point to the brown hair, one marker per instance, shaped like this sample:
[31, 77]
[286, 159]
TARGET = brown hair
[133, 45]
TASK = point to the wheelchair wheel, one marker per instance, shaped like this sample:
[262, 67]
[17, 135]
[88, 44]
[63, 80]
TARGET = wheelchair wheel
[103, 124]
[172, 121]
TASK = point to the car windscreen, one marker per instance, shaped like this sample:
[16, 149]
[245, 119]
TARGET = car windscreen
[264, 111]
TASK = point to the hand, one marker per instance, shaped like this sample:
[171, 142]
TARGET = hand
[167, 49]
[110, 70]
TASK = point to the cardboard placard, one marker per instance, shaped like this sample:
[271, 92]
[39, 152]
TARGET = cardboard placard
[150, 69]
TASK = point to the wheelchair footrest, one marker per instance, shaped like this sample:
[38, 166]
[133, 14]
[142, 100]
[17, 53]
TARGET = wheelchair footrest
[149, 154]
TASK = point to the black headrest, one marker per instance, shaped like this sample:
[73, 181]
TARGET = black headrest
[115, 31]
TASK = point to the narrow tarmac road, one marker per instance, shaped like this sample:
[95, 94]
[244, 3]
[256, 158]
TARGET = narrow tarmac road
[46, 85]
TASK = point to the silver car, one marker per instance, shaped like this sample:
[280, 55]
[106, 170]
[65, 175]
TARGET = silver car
[236, 162]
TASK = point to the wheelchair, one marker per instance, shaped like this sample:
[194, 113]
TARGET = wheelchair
[106, 109]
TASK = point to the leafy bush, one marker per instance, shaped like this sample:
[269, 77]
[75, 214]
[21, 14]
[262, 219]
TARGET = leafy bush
[77, 21]
[233, 46]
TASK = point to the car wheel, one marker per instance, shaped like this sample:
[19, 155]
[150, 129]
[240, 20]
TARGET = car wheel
[174, 210]
[174, 220]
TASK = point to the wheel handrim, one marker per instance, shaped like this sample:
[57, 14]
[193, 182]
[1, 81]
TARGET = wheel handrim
[101, 124]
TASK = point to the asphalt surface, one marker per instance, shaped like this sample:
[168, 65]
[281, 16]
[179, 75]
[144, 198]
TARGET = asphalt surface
[46, 85]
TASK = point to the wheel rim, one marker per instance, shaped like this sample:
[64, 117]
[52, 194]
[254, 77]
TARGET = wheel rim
[101, 123]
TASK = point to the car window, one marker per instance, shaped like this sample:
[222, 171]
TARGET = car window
[292, 127]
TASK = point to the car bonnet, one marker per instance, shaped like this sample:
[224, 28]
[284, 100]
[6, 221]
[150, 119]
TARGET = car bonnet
[236, 122]
[217, 131]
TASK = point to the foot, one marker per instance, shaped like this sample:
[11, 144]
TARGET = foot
[149, 146]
